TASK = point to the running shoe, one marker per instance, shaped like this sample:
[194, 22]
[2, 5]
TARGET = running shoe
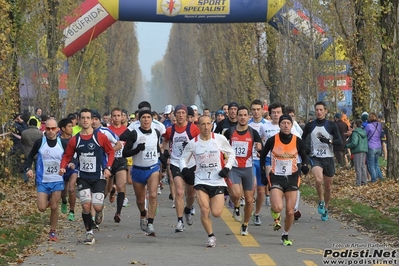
[173, 204]
[150, 230]
[159, 192]
[143, 223]
[117, 218]
[99, 217]
[189, 218]
[93, 223]
[244, 230]
[211, 243]
[231, 204]
[267, 201]
[53, 236]
[297, 215]
[242, 201]
[256, 220]
[324, 216]
[64, 208]
[237, 214]
[125, 202]
[112, 194]
[179, 227]
[277, 218]
[89, 240]
[192, 211]
[286, 241]
[321, 208]
[71, 216]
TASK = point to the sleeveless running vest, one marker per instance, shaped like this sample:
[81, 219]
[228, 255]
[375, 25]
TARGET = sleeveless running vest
[91, 157]
[177, 140]
[209, 162]
[149, 156]
[48, 162]
[242, 146]
[284, 157]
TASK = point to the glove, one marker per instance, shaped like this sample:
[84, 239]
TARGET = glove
[305, 169]
[166, 154]
[185, 171]
[184, 144]
[163, 160]
[141, 147]
[324, 139]
[264, 180]
[223, 173]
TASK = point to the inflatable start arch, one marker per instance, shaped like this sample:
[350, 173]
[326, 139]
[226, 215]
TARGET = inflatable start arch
[95, 16]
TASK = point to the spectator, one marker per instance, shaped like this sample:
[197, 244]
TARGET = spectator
[345, 118]
[359, 147]
[364, 117]
[265, 106]
[17, 127]
[38, 113]
[373, 130]
[28, 138]
[339, 150]
[43, 120]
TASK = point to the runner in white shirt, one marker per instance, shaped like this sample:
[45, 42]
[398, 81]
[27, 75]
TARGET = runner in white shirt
[256, 122]
[210, 173]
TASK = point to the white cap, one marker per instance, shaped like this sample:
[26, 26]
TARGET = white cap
[168, 109]
[194, 107]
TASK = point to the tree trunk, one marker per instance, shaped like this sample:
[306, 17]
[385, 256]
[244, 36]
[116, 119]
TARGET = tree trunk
[389, 79]
[53, 43]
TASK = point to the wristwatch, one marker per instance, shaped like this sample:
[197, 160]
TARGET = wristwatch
[330, 141]
[109, 168]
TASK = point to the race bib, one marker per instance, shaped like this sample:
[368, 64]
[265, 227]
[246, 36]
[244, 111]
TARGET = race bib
[51, 167]
[149, 153]
[240, 148]
[321, 150]
[283, 167]
[87, 164]
[118, 153]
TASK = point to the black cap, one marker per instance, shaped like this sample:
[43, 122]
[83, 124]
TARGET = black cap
[190, 111]
[144, 104]
[284, 117]
[144, 111]
[233, 104]
[15, 116]
[96, 114]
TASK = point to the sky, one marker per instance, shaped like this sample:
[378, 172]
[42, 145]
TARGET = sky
[153, 40]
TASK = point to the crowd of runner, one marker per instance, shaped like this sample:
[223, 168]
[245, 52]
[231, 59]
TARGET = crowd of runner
[247, 156]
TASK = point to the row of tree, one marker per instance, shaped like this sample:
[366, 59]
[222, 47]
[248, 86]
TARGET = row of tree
[243, 62]
[104, 74]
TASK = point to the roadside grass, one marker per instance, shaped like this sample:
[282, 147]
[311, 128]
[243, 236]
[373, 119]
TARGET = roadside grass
[21, 225]
[368, 217]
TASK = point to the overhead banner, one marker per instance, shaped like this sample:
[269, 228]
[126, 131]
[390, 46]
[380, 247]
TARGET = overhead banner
[95, 16]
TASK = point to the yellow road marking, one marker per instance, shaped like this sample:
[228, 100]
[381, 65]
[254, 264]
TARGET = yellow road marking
[309, 263]
[262, 260]
[246, 241]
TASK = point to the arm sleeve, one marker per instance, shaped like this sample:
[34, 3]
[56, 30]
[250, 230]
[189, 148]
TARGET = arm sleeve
[219, 127]
[225, 147]
[306, 130]
[128, 151]
[187, 153]
[302, 151]
[268, 147]
[104, 142]
[227, 134]
[32, 154]
[69, 151]
[125, 135]
[256, 136]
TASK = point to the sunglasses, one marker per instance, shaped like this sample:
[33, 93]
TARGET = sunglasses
[51, 128]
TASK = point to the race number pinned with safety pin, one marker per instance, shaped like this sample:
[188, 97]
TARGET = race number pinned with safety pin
[240, 148]
[283, 167]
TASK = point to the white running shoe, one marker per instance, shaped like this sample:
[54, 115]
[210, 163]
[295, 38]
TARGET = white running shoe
[211, 243]
[179, 227]
[125, 202]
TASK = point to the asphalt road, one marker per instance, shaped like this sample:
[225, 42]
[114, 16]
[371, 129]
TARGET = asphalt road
[126, 244]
